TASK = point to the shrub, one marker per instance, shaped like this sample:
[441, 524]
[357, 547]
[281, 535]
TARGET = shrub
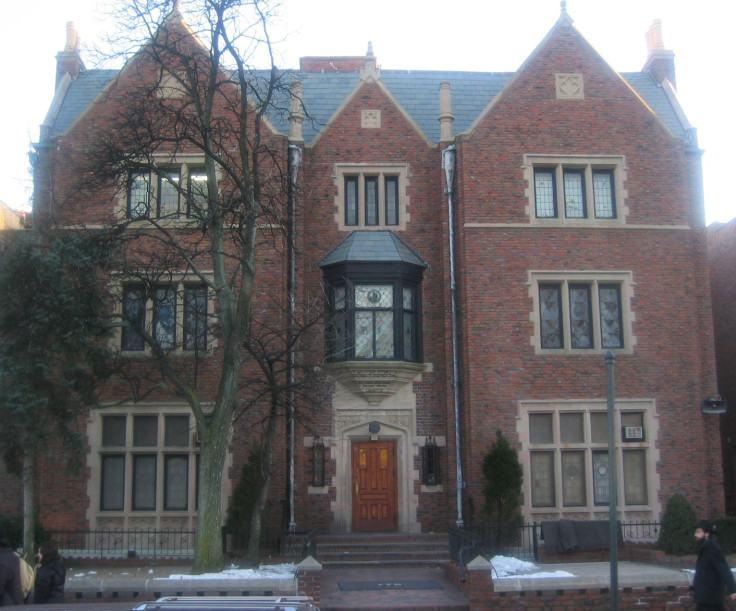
[244, 498]
[678, 525]
[726, 534]
[502, 491]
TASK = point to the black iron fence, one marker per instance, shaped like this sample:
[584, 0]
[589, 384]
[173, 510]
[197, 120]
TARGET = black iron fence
[465, 543]
[116, 543]
[486, 540]
[113, 543]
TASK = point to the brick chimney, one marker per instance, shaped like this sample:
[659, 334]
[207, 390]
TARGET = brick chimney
[69, 61]
[660, 62]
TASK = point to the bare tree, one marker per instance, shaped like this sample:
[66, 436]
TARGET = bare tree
[181, 145]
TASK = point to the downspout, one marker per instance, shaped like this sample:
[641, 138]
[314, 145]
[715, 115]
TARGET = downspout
[295, 161]
[448, 164]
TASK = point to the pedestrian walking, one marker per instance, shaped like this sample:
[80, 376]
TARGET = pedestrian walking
[712, 574]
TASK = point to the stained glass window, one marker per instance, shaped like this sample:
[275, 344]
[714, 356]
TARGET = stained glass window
[544, 193]
[371, 200]
[610, 306]
[168, 194]
[574, 194]
[550, 316]
[164, 317]
[581, 333]
[603, 194]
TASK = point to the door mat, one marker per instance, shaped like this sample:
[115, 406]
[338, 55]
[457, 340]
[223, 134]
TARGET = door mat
[407, 584]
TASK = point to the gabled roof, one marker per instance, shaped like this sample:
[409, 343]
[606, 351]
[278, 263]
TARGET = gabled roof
[417, 92]
[372, 247]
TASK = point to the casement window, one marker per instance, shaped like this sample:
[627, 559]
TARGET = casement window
[147, 463]
[374, 320]
[575, 189]
[173, 315]
[167, 193]
[567, 463]
[576, 311]
[371, 197]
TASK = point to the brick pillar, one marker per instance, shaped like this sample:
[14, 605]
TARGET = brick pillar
[309, 579]
[479, 584]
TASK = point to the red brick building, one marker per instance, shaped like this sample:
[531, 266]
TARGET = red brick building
[722, 263]
[573, 226]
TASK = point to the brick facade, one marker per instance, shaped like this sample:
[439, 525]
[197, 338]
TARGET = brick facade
[374, 122]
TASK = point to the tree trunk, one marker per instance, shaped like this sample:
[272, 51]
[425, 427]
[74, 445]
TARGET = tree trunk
[208, 555]
[29, 505]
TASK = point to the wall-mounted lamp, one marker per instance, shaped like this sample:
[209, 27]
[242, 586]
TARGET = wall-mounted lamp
[430, 462]
[714, 405]
[318, 463]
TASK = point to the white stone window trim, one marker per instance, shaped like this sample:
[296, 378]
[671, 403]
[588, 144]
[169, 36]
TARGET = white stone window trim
[128, 516]
[624, 279]
[590, 510]
[585, 163]
[180, 281]
[162, 163]
[381, 170]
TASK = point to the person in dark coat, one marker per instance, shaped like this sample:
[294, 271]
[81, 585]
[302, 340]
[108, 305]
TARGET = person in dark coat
[50, 576]
[10, 586]
[711, 570]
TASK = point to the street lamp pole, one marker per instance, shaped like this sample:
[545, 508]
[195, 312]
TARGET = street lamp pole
[612, 483]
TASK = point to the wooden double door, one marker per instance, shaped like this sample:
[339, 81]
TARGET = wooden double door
[375, 505]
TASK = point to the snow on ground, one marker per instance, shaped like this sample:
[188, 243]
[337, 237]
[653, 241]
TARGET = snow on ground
[505, 566]
[271, 571]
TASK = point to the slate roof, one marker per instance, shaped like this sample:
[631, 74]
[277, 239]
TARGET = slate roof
[373, 247]
[79, 96]
[416, 91]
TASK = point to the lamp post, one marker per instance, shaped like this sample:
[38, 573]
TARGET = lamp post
[612, 490]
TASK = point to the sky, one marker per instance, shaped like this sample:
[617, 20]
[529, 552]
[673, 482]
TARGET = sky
[465, 35]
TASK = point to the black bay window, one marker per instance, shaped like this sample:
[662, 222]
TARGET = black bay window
[375, 305]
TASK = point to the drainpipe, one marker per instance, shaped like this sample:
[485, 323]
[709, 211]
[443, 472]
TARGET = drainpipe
[448, 164]
[295, 161]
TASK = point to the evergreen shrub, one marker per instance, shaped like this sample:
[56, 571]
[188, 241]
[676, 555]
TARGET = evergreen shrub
[678, 526]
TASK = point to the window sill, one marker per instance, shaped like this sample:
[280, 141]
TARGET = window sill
[375, 380]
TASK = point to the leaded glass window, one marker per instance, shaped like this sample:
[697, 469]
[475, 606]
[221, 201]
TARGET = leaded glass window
[195, 317]
[164, 317]
[574, 187]
[544, 193]
[610, 307]
[550, 316]
[371, 200]
[374, 331]
[139, 195]
[603, 196]
[581, 332]
[168, 194]
[374, 320]
[134, 312]
[392, 200]
[351, 200]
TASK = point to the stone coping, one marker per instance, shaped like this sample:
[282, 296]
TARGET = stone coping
[596, 575]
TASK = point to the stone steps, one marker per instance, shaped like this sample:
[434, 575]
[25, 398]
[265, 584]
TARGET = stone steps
[380, 549]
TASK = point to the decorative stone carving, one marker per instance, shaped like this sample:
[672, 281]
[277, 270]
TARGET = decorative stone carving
[375, 380]
[370, 119]
[569, 86]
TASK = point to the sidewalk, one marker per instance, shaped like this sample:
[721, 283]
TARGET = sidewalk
[357, 588]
